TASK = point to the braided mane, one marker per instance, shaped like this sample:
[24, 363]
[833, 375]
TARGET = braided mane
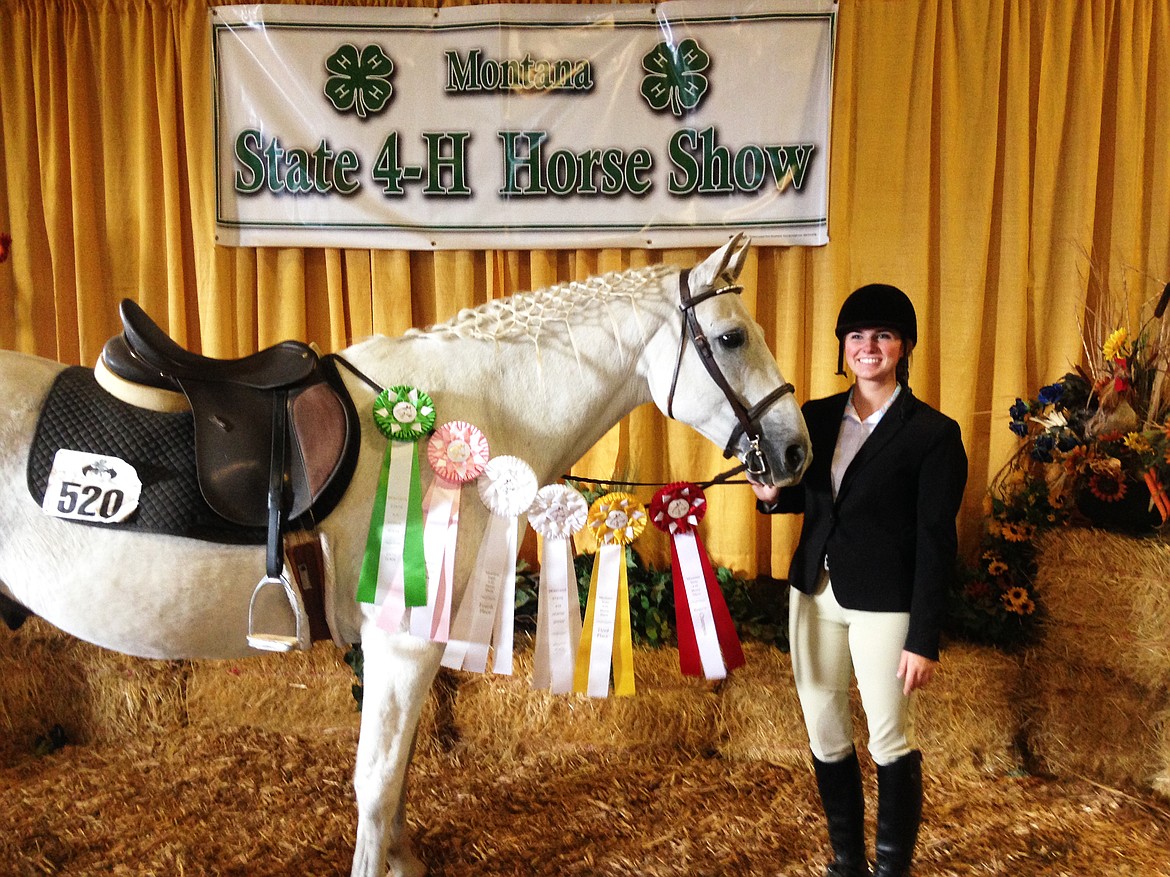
[525, 314]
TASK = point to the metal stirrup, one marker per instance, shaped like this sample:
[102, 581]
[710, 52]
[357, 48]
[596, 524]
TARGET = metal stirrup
[277, 642]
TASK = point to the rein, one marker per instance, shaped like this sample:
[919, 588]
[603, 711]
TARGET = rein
[754, 461]
[719, 480]
[360, 375]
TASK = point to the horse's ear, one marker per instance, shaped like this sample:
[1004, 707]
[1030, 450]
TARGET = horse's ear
[738, 248]
[724, 264]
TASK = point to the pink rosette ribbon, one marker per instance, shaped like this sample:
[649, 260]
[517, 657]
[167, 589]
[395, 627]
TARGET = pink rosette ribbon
[616, 520]
[457, 452]
[707, 642]
[485, 615]
[556, 514]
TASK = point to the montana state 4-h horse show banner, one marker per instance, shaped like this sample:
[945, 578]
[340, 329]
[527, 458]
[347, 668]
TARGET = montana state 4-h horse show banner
[523, 126]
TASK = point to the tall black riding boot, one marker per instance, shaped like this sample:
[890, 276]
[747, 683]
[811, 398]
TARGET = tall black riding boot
[899, 814]
[839, 783]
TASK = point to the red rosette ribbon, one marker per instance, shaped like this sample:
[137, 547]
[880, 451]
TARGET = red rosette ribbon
[707, 643]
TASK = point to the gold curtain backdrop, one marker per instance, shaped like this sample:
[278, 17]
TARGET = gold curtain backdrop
[1003, 162]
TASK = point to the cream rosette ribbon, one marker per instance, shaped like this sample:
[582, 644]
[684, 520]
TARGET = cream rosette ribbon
[707, 642]
[485, 615]
[393, 573]
[616, 520]
[457, 452]
[557, 513]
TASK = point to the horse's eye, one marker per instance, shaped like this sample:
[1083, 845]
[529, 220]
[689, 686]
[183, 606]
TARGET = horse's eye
[733, 339]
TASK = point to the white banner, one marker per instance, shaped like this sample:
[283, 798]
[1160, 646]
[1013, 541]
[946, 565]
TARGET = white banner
[523, 126]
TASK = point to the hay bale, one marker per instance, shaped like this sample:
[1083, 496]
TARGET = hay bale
[298, 693]
[1107, 600]
[49, 678]
[966, 721]
[1087, 721]
[1161, 780]
[502, 715]
[760, 716]
[969, 718]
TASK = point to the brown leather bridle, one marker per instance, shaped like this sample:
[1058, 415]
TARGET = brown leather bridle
[754, 460]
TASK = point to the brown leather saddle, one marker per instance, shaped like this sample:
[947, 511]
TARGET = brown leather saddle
[276, 433]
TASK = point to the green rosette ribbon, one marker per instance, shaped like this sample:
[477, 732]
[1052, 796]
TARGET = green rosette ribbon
[395, 540]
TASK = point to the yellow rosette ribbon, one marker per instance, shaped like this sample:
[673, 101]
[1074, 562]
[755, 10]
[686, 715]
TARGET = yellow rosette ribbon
[393, 573]
[556, 514]
[616, 520]
[458, 453]
[487, 611]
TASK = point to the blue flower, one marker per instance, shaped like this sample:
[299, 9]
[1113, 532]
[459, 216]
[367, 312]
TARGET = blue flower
[1067, 441]
[1018, 412]
[1042, 448]
[1051, 393]
[1019, 428]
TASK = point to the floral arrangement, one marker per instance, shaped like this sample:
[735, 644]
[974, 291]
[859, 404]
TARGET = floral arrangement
[1094, 451]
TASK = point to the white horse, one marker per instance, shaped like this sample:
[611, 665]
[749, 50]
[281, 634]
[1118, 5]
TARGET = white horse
[543, 374]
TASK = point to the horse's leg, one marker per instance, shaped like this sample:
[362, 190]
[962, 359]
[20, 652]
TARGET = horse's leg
[397, 675]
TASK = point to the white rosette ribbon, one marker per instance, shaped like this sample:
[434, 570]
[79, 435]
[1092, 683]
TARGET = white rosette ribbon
[458, 453]
[557, 513]
[485, 615]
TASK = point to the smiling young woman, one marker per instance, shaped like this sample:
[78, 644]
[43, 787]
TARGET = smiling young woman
[869, 575]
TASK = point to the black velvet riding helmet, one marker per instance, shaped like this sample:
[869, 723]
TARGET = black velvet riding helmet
[871, 306]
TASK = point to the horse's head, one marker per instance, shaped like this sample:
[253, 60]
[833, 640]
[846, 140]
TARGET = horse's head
[720, 378]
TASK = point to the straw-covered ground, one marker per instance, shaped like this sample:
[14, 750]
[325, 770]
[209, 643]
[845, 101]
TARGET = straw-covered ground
[1054, 761]
[257, 803]
[244, 768]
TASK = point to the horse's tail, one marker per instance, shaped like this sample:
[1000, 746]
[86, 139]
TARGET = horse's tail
[13, 614]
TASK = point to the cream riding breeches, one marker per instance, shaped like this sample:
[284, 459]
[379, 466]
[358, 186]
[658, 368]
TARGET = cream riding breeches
[830, 645]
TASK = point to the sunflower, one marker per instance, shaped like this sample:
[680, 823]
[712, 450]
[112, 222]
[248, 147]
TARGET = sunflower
[1017, 600]
[1107, 486]
[1115, 344]
[1018, 531]
[997, 567]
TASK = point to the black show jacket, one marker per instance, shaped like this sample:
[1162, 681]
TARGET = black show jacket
[890, 535]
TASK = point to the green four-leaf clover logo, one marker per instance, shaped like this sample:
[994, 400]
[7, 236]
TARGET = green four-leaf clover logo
[359, 82]
[674, 77]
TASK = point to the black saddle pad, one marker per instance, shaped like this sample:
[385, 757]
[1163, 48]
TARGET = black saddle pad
[78, 414]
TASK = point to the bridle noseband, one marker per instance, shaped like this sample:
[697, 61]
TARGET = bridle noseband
[754, 460]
